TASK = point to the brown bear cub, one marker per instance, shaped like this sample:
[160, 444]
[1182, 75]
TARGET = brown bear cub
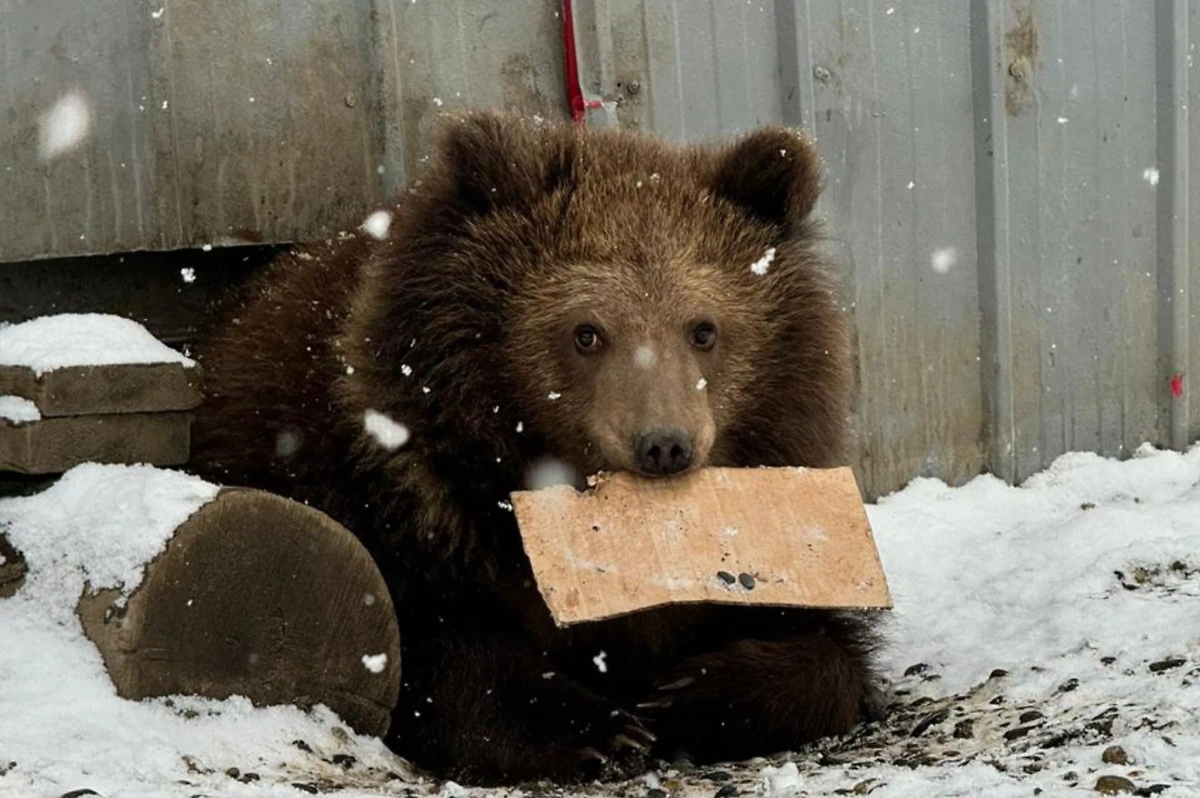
[600, 298]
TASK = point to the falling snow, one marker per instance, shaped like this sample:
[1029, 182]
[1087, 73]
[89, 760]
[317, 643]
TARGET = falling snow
[553, 396]
[701, 384]
[548, 472]
[377, 224]
[65, 126]
[943, 259]
[388, 433]
[601, 665]
[1150, 175]
[188, 275]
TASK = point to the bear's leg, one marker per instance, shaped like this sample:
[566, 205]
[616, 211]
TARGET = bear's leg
[489, 710]
[759, 697]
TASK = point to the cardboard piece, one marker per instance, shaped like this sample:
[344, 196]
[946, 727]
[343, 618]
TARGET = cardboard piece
[764, 536]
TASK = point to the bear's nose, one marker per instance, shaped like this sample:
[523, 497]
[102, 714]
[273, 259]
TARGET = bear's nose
[664, 451]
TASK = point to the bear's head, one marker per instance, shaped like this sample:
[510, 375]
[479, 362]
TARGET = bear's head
[607, 299]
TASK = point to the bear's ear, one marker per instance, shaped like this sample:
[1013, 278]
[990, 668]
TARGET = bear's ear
[773, 173]
[492, 161]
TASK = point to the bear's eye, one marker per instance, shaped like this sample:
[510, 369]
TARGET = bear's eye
[587, 339]
[704, 336]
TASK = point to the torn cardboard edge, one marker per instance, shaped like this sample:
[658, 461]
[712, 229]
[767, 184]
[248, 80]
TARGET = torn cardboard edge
[784, 537]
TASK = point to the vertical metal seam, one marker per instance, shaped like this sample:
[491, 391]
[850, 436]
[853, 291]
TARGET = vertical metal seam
[1173, 222]
[992, 239]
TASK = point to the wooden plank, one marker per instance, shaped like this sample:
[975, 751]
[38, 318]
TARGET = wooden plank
[54, 445]
[97, 390]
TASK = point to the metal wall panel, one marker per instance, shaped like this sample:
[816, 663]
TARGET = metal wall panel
[1010, 183]
[244, 120]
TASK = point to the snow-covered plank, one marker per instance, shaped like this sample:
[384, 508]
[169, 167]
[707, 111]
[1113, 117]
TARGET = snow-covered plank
[89, 363]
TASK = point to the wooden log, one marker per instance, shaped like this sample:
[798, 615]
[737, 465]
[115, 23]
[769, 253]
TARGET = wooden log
[103, 390]
[262, 597]
[54, 445]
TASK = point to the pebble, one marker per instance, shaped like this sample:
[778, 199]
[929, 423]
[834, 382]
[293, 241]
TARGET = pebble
[1031, 716]
[1017, 733]
[916, 670]
[726, 791]
[726, 577]
[1115, 755]
[964, 729]
[932, 719]
[1114, 785]
[656, 793]
[999, 673]
[1166, 664]
[746, 580]
[345, 760]
[308, 788]
[1068, 685]
[79, 793]
[233, 773]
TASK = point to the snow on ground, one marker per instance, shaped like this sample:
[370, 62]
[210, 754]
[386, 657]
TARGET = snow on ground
[81, 339]
[1046, 640]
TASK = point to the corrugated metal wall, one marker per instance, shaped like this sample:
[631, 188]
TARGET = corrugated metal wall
[1009, 181]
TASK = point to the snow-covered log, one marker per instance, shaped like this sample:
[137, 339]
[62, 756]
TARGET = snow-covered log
[257, 596]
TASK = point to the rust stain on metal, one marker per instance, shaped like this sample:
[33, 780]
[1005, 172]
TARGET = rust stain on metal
[1021, 49]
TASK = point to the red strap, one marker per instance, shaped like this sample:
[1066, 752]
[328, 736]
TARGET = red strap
[575, 99]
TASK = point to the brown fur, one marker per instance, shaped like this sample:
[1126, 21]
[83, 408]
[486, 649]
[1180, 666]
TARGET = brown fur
[460, 326]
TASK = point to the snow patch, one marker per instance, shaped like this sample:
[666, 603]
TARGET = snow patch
[99, 524]
[388, 433]
[82, 339]
[375, 663]
[761, 265]
[781, 780]
[65, 126]
[18, 410]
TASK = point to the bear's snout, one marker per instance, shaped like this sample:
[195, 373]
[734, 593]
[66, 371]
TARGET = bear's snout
[661, 452]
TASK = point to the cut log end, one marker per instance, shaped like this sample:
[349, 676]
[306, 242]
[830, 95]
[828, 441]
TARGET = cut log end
[262, 597]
